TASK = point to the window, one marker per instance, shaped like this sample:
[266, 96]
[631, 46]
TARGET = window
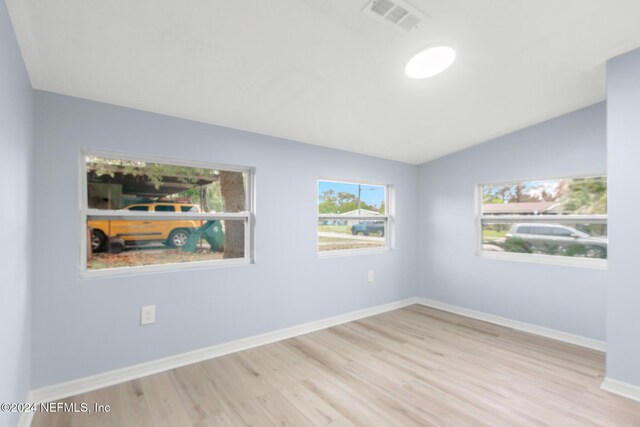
[559, 221]
[165, 208]
[352, 217]
[141, 214]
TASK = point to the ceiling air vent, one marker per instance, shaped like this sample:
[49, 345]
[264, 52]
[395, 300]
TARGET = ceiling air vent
[398, 14]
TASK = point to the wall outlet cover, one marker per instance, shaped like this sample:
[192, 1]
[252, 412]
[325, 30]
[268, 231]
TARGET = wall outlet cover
[147, 314]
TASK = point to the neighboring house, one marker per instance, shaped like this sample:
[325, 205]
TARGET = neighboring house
[526, 208]
[360, 212]
[364, 212]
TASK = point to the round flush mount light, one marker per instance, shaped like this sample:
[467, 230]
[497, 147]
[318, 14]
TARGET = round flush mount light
[430, 62]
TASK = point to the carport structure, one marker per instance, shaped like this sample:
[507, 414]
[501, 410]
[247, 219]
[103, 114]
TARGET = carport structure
[111, 182]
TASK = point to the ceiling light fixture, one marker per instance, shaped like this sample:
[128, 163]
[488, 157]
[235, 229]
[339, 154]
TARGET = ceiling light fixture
[430, 62]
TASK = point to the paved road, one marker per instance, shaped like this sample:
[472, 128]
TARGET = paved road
[359, 237]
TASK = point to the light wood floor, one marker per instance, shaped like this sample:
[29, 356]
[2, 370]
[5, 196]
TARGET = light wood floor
[411, 367]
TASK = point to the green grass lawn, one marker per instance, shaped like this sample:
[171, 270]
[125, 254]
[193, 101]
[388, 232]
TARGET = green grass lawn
[493, 233]
[335, 228]
[323, 239]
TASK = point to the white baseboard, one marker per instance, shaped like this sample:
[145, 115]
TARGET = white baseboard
[514, 324]
[82, 385]
[620, 388]
[106, 379]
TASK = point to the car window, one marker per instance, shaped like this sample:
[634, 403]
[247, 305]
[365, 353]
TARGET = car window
[165, 208]
[138, 208]
[542, 231]
[524, 230]
[188, 209]
[562, 232]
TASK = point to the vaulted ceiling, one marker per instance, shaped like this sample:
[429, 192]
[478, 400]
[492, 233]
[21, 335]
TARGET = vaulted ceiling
[325, 73]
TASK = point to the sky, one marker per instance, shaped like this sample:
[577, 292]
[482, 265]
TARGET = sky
[370, 194]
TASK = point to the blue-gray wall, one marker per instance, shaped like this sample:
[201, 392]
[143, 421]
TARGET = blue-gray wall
[83, 327]
[563, 298]
[623, 128]
[16, 128]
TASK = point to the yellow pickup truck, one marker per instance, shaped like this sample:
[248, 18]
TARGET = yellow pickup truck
[172, 233]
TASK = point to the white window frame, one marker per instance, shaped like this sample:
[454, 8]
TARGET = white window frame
[388, 217]
[248, 216]
[595, 263]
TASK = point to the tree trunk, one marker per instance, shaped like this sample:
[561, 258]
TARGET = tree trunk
[232, 189]
[204, 202]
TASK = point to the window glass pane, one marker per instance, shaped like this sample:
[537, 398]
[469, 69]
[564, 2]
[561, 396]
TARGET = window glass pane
[351, 234]
[572, 240]
[130, 243]
[561, 231]
[541, 230]
[350, 198]
[577, 196]
[138, 208]
[165, 208]
[118, 183]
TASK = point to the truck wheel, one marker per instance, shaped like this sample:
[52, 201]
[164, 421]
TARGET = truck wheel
[178, 238]
[98, 241]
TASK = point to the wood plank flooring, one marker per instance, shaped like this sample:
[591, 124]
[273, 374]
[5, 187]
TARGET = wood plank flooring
[415, 366]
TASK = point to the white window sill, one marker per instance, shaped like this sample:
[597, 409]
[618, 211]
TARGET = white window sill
[163, 268]
[340, 253]
[598, 264]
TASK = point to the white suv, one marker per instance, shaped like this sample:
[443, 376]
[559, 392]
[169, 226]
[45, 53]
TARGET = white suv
[557, 239]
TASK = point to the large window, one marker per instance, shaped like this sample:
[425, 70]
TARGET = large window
[558, 220]
[141, 214]
[352, 217]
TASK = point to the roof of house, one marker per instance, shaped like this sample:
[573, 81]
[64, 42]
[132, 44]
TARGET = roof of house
[360, 212]
[519, 208]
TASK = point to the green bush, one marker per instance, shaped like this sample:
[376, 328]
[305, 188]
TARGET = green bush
[576, 250]
[517, 245]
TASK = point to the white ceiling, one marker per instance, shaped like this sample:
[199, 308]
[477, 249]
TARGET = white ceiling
[323, 72]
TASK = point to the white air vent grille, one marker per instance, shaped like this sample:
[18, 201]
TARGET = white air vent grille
[381, 7]
[398, 14]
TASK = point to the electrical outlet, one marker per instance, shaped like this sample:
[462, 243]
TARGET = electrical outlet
[147, 314]
[370, 276]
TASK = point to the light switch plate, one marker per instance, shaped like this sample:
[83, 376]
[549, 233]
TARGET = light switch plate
[370, 276]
